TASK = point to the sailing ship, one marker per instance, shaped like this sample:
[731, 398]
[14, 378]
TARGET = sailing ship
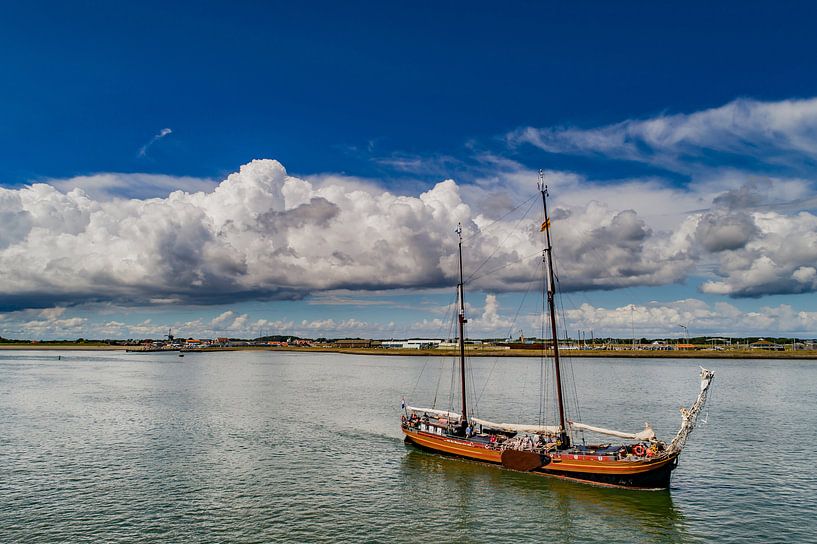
[640, 460]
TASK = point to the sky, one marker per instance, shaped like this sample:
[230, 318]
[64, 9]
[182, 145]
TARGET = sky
[247, 168]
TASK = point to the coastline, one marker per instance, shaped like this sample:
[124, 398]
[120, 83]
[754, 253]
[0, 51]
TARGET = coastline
[634, 354]
[65, 347]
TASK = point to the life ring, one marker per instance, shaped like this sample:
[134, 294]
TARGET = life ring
[639, 450]
[493, 439]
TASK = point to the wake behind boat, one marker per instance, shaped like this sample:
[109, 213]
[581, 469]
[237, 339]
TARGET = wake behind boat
[641, 460]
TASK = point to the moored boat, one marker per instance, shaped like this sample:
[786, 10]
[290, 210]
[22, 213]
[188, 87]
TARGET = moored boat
[640, 460]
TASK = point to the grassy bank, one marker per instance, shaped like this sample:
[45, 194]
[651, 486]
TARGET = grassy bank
[487, 352]
[645, 354]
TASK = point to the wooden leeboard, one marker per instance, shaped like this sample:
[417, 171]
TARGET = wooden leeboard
[524, 461]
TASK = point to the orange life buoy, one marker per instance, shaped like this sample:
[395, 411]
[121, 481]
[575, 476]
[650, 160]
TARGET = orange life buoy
[639, 450]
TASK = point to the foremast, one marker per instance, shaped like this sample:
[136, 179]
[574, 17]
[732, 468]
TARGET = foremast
[461, 331]
[547, 257]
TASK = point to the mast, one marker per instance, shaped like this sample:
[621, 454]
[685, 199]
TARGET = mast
[547, 256]
[461, 322]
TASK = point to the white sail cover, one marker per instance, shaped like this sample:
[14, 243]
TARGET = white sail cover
[516, 428]
[646, 434]
[434, 412]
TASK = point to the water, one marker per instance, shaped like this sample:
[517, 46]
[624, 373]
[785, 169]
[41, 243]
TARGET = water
[299, 447]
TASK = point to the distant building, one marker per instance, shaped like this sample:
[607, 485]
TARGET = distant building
[352, 343]
[766, 345]
[410, 344]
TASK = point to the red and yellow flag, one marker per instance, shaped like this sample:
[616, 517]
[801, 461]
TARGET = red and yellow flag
[545, 225]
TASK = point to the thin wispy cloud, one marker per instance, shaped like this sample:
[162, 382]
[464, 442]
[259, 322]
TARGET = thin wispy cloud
[143, 151]
[780, 134]
[109, 185]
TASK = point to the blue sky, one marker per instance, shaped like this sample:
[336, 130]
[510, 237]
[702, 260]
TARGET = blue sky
[699, 119]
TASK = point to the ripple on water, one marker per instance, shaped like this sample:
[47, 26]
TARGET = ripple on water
[272, 447]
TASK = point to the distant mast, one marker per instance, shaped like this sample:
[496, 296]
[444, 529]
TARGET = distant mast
[547, 256]
[462, 321]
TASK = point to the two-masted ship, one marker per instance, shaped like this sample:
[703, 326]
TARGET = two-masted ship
[640, 460]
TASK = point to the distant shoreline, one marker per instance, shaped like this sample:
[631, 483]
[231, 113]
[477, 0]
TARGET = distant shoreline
[67, 347]
[634, 354]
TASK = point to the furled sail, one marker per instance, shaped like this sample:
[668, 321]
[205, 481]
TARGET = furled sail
[516, 428]
[646, 434]
[434, 412]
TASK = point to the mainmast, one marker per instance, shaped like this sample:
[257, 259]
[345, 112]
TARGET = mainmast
[462, 321]
[547, 257]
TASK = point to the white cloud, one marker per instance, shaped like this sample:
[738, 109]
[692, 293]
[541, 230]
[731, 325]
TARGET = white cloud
[112, 185]
[490, 322]
[41, 323]
[263, 234]
[349, 325]
[783, 132]
[156, 137]
[779, 257]
[659, 320]
[485, 322]
[239, 323]
[278, 326]
[651, 320]
[260, 233]
[219, 320]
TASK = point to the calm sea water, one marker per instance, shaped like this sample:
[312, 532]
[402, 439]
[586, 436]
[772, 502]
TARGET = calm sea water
[294, 447]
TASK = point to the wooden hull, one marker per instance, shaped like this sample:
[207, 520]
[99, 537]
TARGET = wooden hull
[599, 470]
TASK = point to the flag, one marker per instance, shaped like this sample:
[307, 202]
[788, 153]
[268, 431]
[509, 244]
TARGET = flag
[402, 404]
[545, 225]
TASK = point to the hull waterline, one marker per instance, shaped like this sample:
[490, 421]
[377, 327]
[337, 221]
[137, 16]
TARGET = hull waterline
[593, 469]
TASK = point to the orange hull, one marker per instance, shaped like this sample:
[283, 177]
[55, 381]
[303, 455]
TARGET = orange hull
[454, 446]
[598, 469]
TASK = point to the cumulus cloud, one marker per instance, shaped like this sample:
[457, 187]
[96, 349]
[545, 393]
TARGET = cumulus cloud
[720, 232]
[653, 320]
[263, 234]
[779, 258]
[783, 132]
[220, 319]
[662, 319]
[259, 234]
[32, 323]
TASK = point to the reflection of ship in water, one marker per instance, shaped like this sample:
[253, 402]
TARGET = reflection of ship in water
[570, 509]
